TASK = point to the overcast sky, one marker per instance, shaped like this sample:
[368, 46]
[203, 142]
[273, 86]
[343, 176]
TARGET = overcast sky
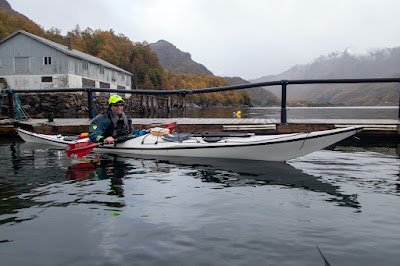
[246, 38]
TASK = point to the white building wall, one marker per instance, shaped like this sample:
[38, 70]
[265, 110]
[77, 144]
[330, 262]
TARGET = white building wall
[26, 82]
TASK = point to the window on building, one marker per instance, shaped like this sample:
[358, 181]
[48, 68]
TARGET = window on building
[88, 83]
[104, 85]
[22, 65]
[0, 62]
[121, 76]
[47, 60]
[47, 79]
[85, 65]
[101, 69]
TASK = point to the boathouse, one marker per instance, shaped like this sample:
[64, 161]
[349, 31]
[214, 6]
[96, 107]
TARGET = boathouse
[28, 61]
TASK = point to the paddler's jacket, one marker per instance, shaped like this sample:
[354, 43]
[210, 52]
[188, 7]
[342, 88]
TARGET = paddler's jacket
[110, 124]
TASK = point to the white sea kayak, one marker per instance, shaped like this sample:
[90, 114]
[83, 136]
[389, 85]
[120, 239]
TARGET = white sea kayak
[227, 145]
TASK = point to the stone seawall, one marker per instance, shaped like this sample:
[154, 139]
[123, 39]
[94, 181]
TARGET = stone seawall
[75, 105]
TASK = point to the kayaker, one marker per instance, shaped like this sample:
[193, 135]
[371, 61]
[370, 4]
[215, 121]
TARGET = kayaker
[113, 125]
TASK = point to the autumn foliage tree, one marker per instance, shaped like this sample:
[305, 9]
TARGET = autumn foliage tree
[200, 81]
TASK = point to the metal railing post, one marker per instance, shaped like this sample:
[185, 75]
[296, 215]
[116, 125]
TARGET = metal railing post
[283, 102]
[11, 113]
[90, 103]
[399, 108]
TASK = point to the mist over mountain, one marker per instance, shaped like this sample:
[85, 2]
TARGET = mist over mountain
[351, 63]
[171, 58]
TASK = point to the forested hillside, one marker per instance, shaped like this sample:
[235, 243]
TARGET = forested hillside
[199, 81]
[135, 57]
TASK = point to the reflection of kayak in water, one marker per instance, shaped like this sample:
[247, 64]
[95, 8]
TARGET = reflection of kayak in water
[267, 173]
[234, 173]
[208, 145]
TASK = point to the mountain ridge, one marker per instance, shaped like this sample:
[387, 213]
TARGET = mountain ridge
[8, 8]
[177, 61]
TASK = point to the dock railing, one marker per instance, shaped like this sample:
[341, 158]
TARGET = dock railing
[283, 83]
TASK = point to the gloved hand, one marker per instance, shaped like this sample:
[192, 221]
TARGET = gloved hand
[109, 140]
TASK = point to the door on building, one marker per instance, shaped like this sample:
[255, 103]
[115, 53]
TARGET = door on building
[22, 65]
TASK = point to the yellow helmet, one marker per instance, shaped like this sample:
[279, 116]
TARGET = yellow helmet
[115, 99]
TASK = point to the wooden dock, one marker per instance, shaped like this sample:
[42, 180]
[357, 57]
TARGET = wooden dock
[387, 128]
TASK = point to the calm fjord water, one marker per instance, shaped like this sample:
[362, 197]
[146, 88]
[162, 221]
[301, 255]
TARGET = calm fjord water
[382, 112]
[116, 210]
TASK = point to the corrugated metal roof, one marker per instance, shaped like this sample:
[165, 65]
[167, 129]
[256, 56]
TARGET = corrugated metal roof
[65, 50]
